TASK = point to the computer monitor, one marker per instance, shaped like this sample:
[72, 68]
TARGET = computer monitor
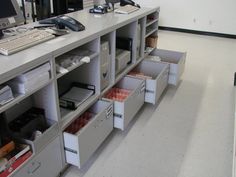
[60, 7]
[74, 5]
[43, 9]
[10, 14]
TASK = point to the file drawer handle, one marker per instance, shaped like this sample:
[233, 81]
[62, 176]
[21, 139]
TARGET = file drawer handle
[149, 91]
[117, 115]
[35, 166]
[71, 150]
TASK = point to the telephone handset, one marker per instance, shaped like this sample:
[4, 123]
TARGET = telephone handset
[128, 2]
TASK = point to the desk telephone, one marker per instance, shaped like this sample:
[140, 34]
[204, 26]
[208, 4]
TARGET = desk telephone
[128, 2]
[63, 21]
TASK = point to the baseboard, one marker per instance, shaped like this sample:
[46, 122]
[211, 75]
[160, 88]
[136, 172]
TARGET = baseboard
[198, 32]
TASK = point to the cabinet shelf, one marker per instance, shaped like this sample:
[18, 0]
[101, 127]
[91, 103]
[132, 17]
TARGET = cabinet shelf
[129, 68]
[18, 97]
[149, 32]
[151, 22]
[69, 115]
[74, 66]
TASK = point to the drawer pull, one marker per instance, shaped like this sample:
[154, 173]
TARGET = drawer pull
[71, 150]
[34, 167]
[149, 91]
[117, 115]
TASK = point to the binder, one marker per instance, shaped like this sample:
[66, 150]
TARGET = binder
[76, 95]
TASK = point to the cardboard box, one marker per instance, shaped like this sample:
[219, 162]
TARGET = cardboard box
[151, 41]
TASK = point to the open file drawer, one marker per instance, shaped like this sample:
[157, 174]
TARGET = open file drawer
[124, 111]
[176, 61]
[81, 145]
[156, 77]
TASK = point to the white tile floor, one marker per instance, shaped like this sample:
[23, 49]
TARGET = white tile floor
[190, 133]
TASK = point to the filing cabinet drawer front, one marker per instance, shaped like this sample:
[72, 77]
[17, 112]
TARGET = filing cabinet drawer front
[38, 144]
[159, 81]
[156, 86]
[47, 163]
[125, 111]
[176, 61]
[162, 82]
[80, 146]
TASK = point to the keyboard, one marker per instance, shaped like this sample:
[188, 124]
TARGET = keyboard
[24, 40]
[127, 9]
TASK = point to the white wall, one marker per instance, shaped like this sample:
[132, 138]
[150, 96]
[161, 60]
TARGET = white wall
[204, 15]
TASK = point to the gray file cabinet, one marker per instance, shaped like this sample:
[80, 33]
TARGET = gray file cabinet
[56, 147]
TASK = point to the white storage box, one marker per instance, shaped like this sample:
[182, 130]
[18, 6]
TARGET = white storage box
[34, 73]
[176, 61]
[125, 111]
[29, 85]
[80, 146]
[157, 79]
[122, 58]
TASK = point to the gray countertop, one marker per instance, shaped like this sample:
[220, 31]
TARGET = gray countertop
[96, 25]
